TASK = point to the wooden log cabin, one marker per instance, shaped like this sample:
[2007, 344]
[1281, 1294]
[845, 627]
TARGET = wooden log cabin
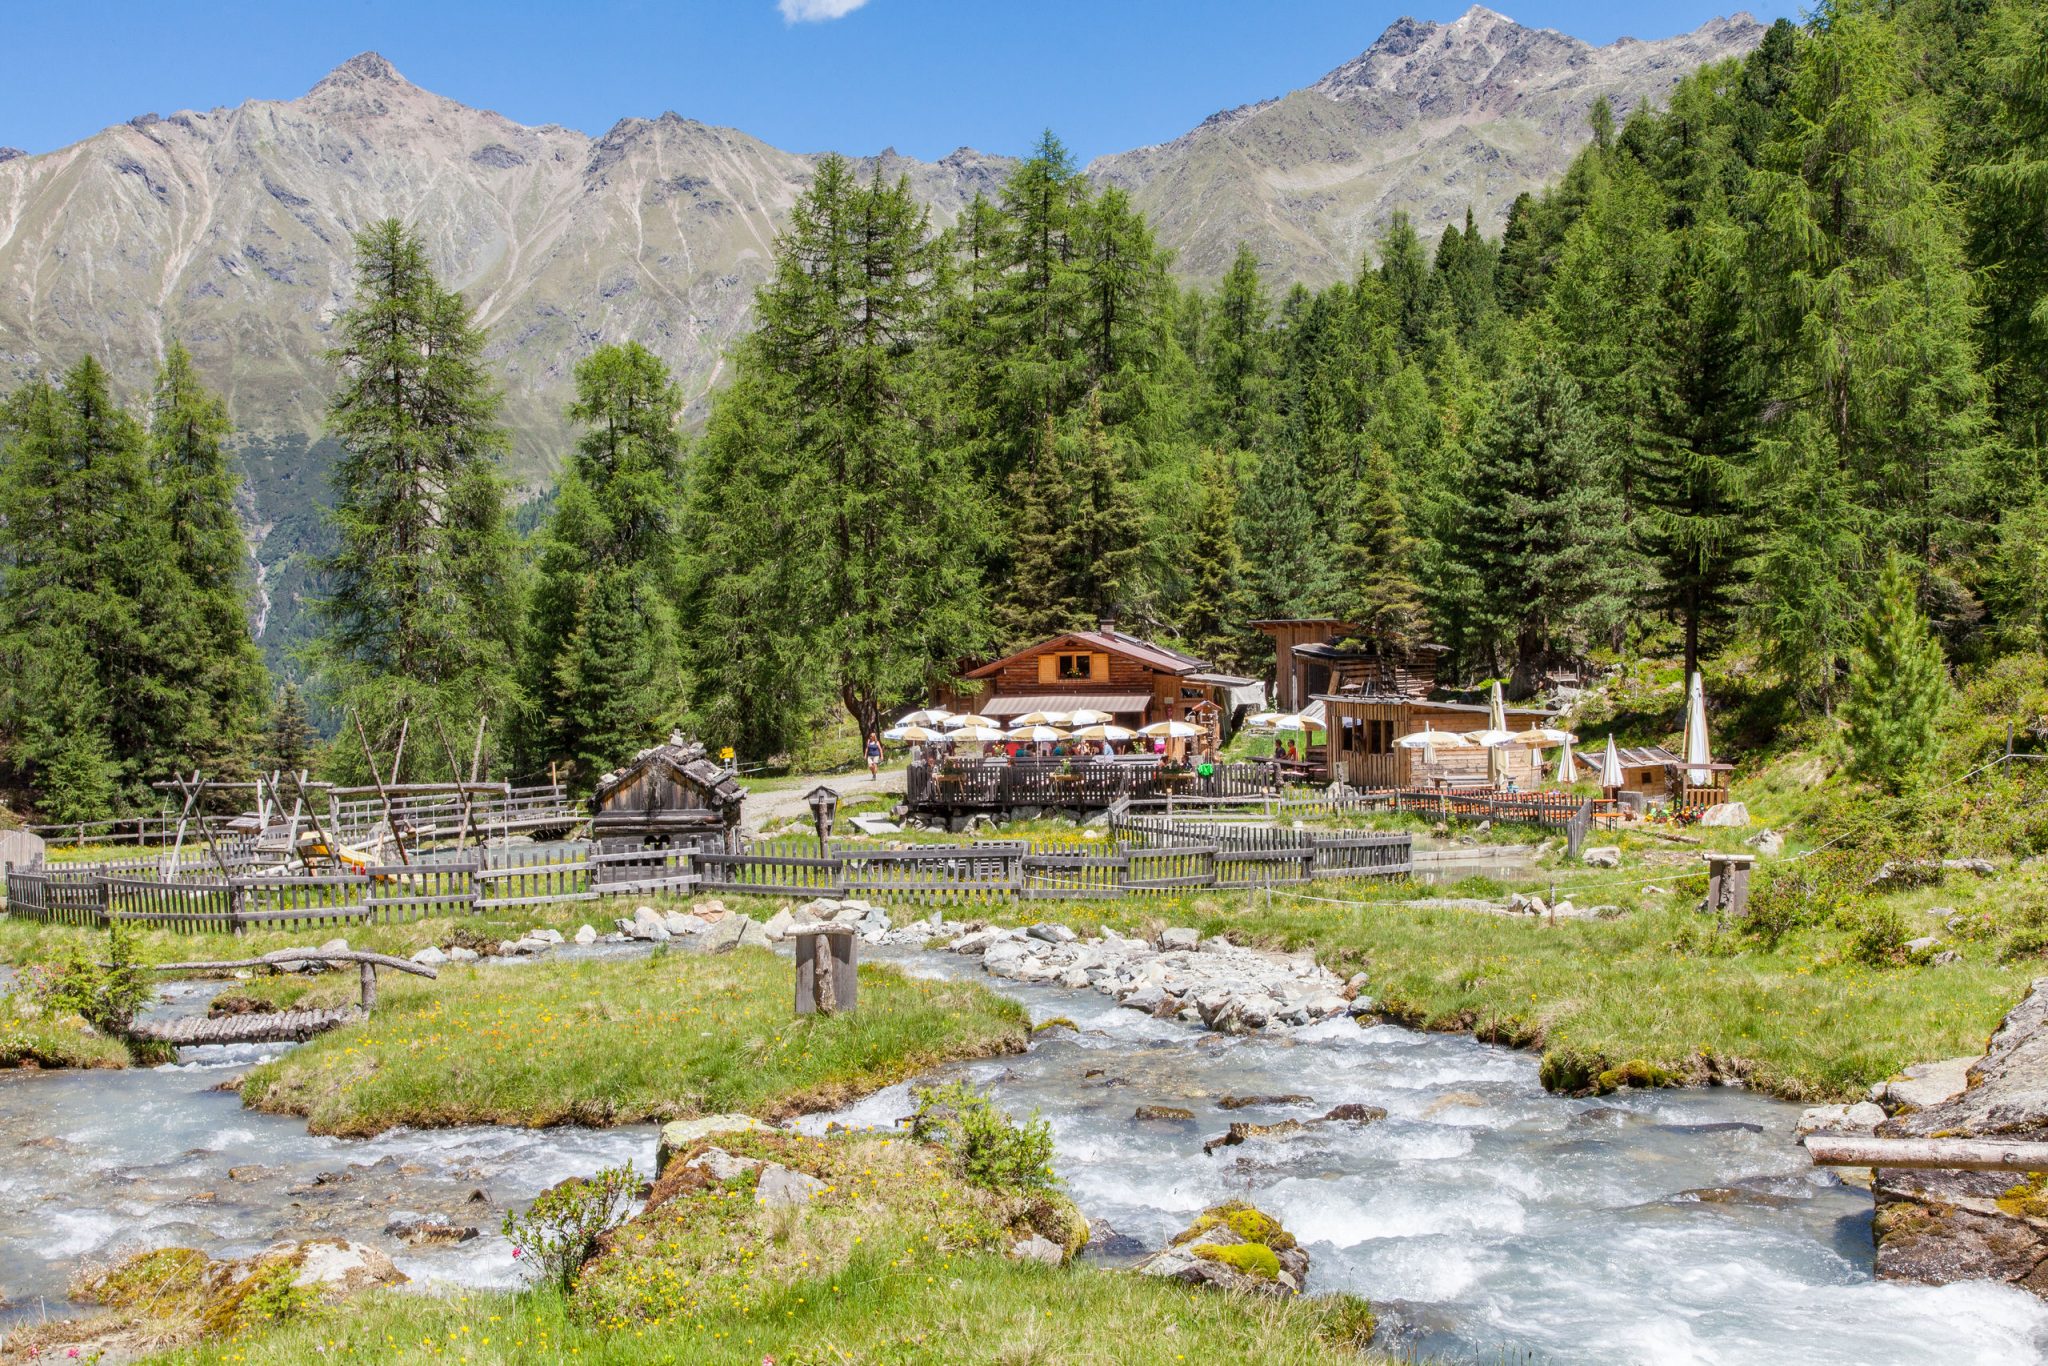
[1364, 727]
[668, 797]
[1134, 680]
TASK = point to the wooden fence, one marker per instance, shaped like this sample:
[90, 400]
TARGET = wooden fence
[997, 784]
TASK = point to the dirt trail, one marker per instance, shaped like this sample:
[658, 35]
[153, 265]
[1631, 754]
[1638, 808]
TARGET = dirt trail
[787, 803]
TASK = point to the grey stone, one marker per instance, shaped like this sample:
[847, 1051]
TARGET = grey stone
[587, 935]
[780, 1187]
[679, 1134]
[1144, 996]
[677, 923]
[1768, 842]
[459, 954]
[335, 946]
[721, 1165]
[1052, 934]
[734, 932]
[1602, 856]
[430, 957]
[1725, 815]
[1038, 1248]
[545, 936]
[1924, 944]
[1179, 938]
[1928, 1084]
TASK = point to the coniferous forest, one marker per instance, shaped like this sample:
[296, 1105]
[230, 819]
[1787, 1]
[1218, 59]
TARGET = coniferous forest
[1764, 375]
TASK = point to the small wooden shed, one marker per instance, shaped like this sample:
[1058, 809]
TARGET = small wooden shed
[668, 797]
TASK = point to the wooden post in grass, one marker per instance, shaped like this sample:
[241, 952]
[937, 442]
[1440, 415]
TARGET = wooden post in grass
[1728, 884]
[825, 969]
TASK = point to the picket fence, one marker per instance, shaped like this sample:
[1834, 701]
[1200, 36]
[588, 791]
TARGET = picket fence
[1135, 855]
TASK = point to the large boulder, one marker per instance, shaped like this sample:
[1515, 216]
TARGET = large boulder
[1728, 814]
[1937, 1227]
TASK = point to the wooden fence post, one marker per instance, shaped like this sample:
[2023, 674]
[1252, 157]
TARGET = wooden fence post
[1728, 884]
[826, 969]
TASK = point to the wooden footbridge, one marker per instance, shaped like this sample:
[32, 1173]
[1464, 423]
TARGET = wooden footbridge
[282, 1026]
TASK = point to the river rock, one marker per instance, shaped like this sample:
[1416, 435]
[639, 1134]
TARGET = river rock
[428, 1232]
[1768, 842]
[1725, 815]
[1861, 1118]
[1352, 1112]
[1925, 1084]
[1241, 1131]
[430, 957]
[544, 936]
[721, 1165]
[1233, 1247]
[680, 925]
[733, 932]
[1246, 1102]
[1602, 856]
[680, 1134]
[1171, 1113]
[587, 935]
[1052, 934]
[458, 954]
[1937, 1227]
[1142, 996]
[1179, 938]
[336, 1265]
[1038, 1248]
[780, 1187]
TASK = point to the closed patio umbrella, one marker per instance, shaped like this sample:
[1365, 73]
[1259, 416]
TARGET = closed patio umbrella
[1566, 773]
[1496, 720]
[1696, 751]
[1610, 768]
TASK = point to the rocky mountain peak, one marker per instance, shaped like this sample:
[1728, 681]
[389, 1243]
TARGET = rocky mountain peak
[364, 85]
[10, 153]
[363, 69]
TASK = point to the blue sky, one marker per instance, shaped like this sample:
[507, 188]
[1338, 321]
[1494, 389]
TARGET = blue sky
[924, 76]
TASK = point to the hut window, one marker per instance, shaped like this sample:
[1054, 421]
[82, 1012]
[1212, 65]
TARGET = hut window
[1076, 667]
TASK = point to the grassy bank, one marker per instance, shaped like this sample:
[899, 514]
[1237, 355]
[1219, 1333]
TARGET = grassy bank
[897, 1260]
[614, 1042]
[29, 1038]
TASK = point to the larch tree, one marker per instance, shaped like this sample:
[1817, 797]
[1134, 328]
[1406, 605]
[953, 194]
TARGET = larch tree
[1898, 683]
[419, 618]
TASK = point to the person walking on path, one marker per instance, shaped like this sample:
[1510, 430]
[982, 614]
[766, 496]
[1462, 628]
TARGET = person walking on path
[874, 756]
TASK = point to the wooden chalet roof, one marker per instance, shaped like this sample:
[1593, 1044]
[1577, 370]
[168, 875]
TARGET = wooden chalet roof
[685, 759]
[1159, 658]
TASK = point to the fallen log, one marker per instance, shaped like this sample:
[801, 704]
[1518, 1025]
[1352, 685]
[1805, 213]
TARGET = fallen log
[1929, 1154]
[285, 1026]
[283, 956]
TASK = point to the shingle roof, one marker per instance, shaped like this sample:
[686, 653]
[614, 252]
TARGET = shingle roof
[1146, 652]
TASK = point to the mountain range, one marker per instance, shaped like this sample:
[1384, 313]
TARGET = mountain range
[230, 228]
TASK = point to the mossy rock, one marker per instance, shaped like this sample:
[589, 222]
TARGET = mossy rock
[1241, 1219]
[1347, 1320]
[165, 1275]
[2029, 1199]
[1253, 1259]
[1634, 1072]
[267, 1295]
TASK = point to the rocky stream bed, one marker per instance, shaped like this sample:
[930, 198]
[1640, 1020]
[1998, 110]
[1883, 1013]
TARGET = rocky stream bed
[1486, 1218]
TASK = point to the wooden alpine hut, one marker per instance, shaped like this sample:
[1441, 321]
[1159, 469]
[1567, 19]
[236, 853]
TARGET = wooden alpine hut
[668, 797]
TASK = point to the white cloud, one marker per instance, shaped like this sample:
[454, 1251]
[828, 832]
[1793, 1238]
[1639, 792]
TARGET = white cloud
[816, 11]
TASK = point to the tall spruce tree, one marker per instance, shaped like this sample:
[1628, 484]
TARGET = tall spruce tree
[1213, 616]
[420, 612]
[1376, 586]
[610, 546]
[1898, 683]
[205, 620]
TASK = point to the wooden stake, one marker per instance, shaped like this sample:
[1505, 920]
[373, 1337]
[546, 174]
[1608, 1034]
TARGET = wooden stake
[383, 797]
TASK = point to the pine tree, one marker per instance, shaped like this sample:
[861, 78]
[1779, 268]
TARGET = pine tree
[1377, 590]
[1898, 684]
[880, 517]
[1278, 532]
[610, 546]
[1540, 531]
[1404, 273]
[1239, 361]
[421, 608]
[1213, 616]
[201, 625]
[291, 738]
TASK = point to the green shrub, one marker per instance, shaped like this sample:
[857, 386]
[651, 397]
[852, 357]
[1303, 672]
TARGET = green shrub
[1881, 935]
[993, 1150]
[559, 1232]
[106, 996]
[2024, 945]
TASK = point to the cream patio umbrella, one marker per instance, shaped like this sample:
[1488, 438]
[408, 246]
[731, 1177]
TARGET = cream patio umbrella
[1694, 747]
[1036, 734]
[1610, 769]
[914, 735]
[928, 716]
[1039, 718]
[1114, 734]
[1170, 730]
[1087, 716]
[1430, 741]
[975, 735]
[969, 719]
